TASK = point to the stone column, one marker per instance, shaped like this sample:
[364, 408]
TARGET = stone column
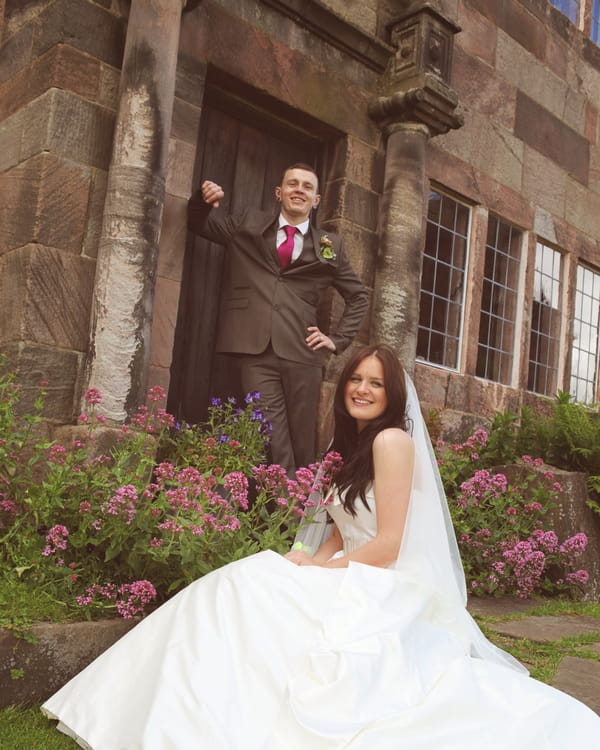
[417, 105]
[397, 281]
[128, 249]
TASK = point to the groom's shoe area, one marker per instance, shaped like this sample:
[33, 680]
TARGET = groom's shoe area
[576, 674]
[61, 651]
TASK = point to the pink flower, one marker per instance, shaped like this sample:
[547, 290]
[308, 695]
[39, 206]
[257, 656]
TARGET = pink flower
[56, 539]
[93, 396]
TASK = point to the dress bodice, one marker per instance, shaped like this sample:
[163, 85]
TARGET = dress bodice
[355, 530]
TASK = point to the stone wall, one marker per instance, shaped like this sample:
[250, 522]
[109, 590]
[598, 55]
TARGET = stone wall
[58, 87]
[529, 85]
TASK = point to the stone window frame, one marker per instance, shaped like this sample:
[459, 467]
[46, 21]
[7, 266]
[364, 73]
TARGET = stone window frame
[586, 330]
[546, 321]
[501, 294]
[443, 295]
[570, 8]
[595, 21]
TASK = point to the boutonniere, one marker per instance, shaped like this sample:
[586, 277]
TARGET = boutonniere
[326, 248]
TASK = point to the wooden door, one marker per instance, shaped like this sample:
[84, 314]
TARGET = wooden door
[246, 153]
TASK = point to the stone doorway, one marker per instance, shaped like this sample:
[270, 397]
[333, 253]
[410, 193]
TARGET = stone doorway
[244, 148]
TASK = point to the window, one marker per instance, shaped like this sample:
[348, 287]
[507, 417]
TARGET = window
[569, 7]
[499, 298]
[595, 27]
[442, 282]
[545, 322]
[586, 329]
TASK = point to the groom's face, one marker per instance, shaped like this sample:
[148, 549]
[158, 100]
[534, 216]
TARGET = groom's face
[298, 195]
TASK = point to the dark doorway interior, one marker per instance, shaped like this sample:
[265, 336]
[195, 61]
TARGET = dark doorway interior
[244, 145]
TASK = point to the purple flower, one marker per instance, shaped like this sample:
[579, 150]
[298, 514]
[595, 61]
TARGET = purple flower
[56, 539]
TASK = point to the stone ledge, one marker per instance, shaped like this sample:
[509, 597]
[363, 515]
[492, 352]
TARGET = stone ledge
[59, 653]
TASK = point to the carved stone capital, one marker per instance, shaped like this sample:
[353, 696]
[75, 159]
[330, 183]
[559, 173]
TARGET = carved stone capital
[429, 102]
[416, 85]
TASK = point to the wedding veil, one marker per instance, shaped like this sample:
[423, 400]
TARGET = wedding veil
[429, 543]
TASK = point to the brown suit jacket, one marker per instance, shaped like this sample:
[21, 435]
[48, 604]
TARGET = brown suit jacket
[260, 301]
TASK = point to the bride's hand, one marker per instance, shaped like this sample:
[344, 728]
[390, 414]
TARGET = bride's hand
[299, 557]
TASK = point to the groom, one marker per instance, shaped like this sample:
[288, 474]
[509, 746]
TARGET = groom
[277, 271]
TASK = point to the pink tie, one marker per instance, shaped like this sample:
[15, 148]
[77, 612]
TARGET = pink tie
[286, 248]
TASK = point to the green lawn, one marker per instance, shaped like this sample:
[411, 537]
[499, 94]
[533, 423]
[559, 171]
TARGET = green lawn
[29, 729]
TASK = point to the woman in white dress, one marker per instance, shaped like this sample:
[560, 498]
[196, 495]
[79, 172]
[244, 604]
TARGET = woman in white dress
[365, 645]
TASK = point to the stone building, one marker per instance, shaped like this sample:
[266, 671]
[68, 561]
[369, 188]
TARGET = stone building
[458, 146]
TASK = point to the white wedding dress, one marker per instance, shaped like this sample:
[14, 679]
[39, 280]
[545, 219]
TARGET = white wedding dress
[266, 655]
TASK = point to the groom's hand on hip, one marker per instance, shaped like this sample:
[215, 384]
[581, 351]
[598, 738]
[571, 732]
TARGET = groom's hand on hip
[317, 340]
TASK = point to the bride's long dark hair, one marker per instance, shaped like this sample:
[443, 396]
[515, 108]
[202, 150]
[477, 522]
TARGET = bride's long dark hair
[356, 448]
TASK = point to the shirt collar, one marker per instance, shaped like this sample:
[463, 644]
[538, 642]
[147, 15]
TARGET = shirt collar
[302, 228]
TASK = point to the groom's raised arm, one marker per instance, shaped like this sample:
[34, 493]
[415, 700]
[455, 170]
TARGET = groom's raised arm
[202, 220]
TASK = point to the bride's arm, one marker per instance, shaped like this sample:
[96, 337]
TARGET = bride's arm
[329, 547]
[393, 460]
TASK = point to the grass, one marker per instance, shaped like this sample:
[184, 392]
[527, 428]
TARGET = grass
[27, 728]
[542, 659]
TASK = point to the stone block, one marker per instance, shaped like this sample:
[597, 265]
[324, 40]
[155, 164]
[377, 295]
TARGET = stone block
[108, 92]
[60, 651]
[93, 226]
[173, 237]
[10, 138]
[491, 150]
[581, 208]
[164, 318]
[581, 679]
[361, 13]
[49, 294]
[61, 67]
[16, 52]
[190, 79]
[65, 124]
[58, 367]
[544, 182]
[548, 628]
[73, 20]
[531, 77]
[180, 168]
[346, 200]
[482, 89]
[541, 130]
[18, 13]
[186, 121]
[281, 66]
[516, 21]
[477, 37]
[359, 162]
[46, 202]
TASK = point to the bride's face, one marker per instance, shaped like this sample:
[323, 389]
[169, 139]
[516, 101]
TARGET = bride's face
[364, 395]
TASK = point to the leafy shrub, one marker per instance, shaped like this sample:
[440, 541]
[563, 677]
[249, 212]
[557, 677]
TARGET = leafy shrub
[505, 545]
[120, 530]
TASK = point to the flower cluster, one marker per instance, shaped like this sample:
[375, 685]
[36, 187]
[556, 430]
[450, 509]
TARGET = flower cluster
[505, 545]
[121, 530]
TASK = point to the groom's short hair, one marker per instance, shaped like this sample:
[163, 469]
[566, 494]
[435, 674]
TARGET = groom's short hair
[300, 165]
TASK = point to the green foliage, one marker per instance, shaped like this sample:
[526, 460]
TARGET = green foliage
[98, 531]
[505, 543]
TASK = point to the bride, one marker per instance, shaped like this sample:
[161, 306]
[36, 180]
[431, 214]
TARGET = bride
[365, 644]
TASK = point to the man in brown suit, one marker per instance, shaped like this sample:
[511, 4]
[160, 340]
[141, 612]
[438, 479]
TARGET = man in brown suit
[278, 269]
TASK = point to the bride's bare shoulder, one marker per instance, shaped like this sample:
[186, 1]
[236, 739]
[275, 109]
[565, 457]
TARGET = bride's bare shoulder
[394, 437]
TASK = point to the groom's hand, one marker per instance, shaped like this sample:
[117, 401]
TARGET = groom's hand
[212, 193]
[318, 340]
